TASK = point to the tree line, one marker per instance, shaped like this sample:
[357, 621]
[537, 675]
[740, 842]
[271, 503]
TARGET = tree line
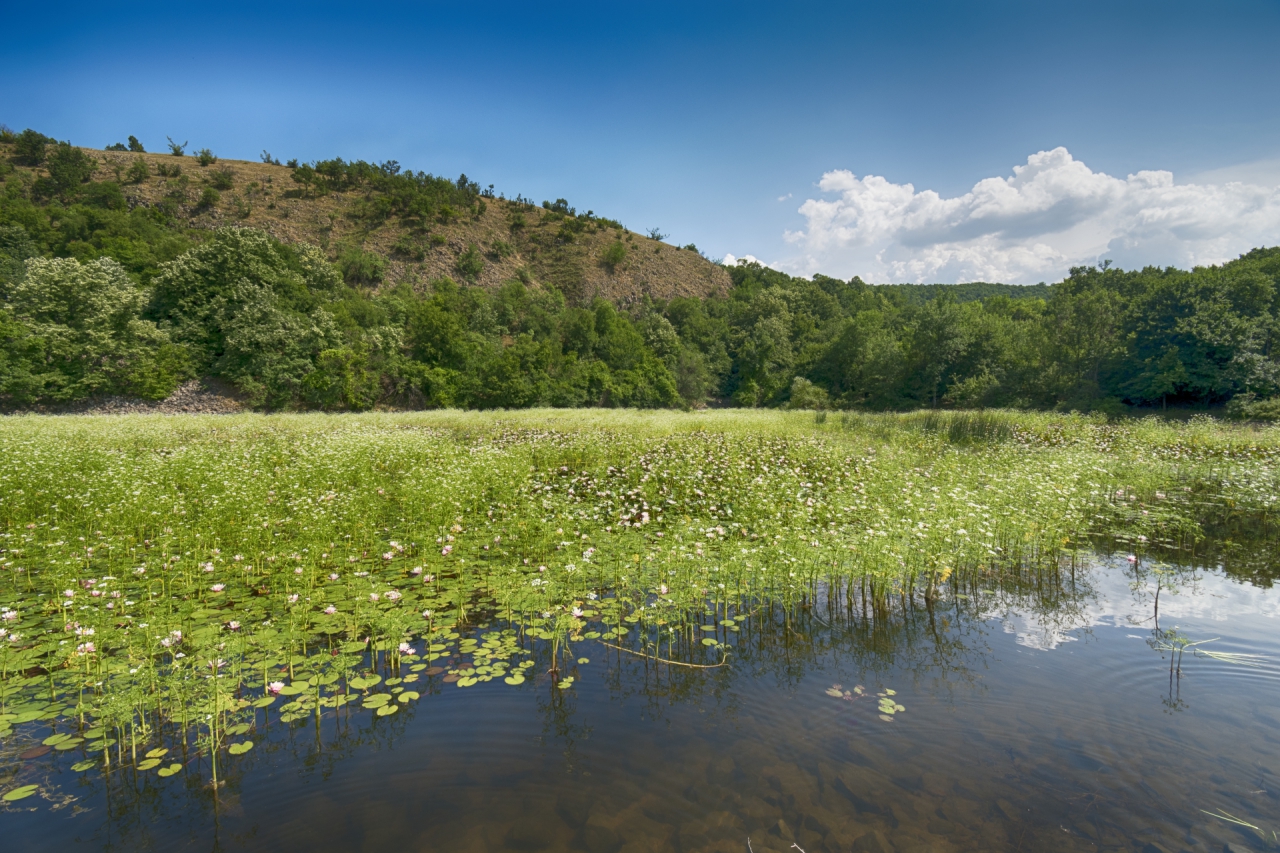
[97, 298]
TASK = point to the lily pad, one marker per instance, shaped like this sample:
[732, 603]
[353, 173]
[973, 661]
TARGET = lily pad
[263, 702]
[81, 766]
[407, 696]
[69, 744]
[240, 748]
[584, 661]
[170, 770]
[514, 679]
[467, 681]
[157, 753]
[148, 763]
[20, 793]
[387, 710]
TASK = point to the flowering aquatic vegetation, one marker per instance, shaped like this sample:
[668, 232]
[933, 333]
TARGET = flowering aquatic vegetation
[169, 585]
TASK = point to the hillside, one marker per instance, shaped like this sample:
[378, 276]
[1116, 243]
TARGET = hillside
[512, 240]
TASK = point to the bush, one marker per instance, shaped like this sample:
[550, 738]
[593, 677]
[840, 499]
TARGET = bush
[1247, 407]
[116, 146]
[806, 395]
[407, 247]
[135, 146]
[361, 268]
[175, 149]
[104, 194]
[29, 147]
[503, 249]
[209, 198]
[69, 167]
[206, 157]
[138, 172]
[222, 179]
[470, 264]
[169, 170]
[614, 255]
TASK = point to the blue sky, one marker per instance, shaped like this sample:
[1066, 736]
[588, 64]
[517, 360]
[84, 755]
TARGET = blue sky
[744, 128]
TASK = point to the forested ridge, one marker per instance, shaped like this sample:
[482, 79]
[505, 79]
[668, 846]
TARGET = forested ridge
[116, 281]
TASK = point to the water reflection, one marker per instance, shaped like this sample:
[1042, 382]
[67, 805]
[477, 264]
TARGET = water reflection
[1040, 713]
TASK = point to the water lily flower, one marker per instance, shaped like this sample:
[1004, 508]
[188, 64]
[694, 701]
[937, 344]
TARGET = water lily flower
[577, 612]
[330, 610]
[275, 687]
[69, 593]
[85, 649]
[426, 614]
[218, 587]
[166, 642]
[208, 567]
[176, 635]
[141, 570]
[298, 571]
[84, 632]
[293, 599]
[1132, 559]
[333, 576]
[392, 595]
[233, 625]
[8, 615]
[406, 649]
[97, 593]
[428, 578]
[373, 596]
[238, 558]
[389, 555]
[217, 664]
[662, 590]
[444, 552]
[179, 656]
[416, 570]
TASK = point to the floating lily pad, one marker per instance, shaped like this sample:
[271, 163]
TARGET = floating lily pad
[157, 753]
[387, 710]
[69, 744]
[407, 696]
[81, 766]
[240, 748]
[263, 702]
[886, 718]
[170, 770]
[584, 661]
[54, 740]
[831, 691]
[514, 679]
[148, 763]
[20, 793]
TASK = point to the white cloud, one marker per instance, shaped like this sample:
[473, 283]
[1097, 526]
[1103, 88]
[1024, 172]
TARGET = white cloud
[730, 260]
[1051, 214]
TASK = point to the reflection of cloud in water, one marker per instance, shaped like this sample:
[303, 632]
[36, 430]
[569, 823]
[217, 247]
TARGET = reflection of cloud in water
[1210, 598]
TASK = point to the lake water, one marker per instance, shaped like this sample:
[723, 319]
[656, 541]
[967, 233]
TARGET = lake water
[1039, 715]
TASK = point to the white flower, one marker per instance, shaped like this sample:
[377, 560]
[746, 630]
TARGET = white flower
[373, 596]
[293, 599]
[577, 612]
[406, 649]
[218, 587]
[330, 610]
[275, 687]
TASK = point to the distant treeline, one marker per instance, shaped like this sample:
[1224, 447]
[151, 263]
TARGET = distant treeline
[97, 298]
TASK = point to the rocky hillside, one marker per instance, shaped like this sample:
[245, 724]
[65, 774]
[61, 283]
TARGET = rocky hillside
[582, 255]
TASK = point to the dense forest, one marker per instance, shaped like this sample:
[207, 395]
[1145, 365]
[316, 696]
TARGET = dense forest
[101, 295]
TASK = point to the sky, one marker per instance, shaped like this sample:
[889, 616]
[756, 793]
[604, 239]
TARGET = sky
[902, 141]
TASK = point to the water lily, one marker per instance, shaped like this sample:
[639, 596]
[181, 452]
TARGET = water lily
[577, 612]
[69, 593]
[373, 596]
[275, 687]
[85, 649]
[392, 595]
[233, 625]
[406, 649]
[330, 610]
[1132, 558]
[333, 576]
[218, 587]
[446, 550]
[293, 599]
[8, 615]
[663, 590]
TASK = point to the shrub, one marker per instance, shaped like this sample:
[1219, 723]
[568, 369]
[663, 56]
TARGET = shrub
[222, 179]
[470, 264]
[655, 234]
[268, 159]
[503, 249]
[29, 147]
[360, 267]
[104, 194]
[69, 167]
[116, 146]
[168, 170]
[206, 157]
[138, 172]
[614, 255]
[407, 247]
[806, 395]
[135, 146]
[209, 198]
[1247, 407]
[175, 149]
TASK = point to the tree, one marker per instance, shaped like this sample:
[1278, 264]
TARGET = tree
[136, 146]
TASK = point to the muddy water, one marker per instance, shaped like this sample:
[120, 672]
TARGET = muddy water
[1038, 716]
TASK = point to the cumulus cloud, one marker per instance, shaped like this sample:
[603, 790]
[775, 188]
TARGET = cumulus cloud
[1053, 213]
[731, 259]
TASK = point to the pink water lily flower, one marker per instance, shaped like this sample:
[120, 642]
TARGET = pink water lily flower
[577, 612]
[233, 625]
[293, 599]
[393, 595]
[218, 587]
[406, 649]
[333, 576]
[85, 649]
[662, 590]
[275, 687]
[373, 596]
[330, 610]
[444, 552]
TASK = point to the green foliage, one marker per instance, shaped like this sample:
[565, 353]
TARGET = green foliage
[74, 329]
[175, 149]
[222, 179]
[361, 268]
[68, 168]
[806, 395]
[614, 255]
[136, 146]
[209, 198]
[470, 263]
[1246, 407]
[206, 157]
[138, 171]
[116, 146]
[29, 147]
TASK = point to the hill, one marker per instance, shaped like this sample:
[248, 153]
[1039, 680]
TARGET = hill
[364, 217]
